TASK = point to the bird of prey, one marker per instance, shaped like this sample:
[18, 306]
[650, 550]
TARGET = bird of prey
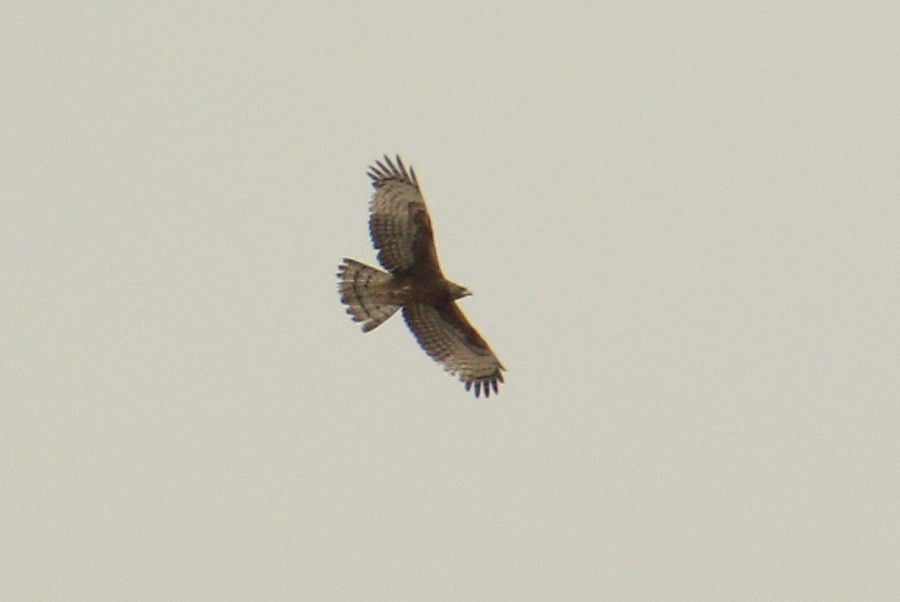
[401, 232]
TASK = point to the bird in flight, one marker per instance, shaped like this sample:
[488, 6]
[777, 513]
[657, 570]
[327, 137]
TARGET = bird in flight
[401, 232]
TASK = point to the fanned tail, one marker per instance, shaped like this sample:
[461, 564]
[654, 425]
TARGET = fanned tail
[364, 290]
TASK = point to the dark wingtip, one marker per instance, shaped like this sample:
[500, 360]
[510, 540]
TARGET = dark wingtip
[485, 386]
[391, 169]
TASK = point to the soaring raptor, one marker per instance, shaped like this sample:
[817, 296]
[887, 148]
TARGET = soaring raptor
[401, 232]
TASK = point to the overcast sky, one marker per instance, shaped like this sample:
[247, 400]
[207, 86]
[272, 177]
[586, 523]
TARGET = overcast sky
[680, 225]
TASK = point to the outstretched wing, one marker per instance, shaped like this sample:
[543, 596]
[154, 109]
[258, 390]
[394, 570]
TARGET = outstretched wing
[399, 222]
[446, 335]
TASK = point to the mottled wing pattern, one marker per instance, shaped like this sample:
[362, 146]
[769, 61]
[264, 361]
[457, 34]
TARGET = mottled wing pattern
[445, 334]
[399, 223]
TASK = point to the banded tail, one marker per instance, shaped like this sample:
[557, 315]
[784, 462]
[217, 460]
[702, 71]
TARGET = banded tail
[365, 291]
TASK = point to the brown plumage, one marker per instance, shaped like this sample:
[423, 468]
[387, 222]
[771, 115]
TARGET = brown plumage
[401, 232]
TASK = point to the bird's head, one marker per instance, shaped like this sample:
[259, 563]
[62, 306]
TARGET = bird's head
[458, 292]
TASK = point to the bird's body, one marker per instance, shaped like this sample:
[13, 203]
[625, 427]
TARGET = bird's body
[401, 231]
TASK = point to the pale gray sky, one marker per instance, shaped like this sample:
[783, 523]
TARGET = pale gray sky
[680, 224]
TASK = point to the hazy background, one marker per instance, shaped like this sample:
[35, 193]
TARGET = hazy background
[680, 224]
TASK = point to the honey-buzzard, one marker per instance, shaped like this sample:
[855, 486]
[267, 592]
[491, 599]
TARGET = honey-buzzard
[401, 231]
